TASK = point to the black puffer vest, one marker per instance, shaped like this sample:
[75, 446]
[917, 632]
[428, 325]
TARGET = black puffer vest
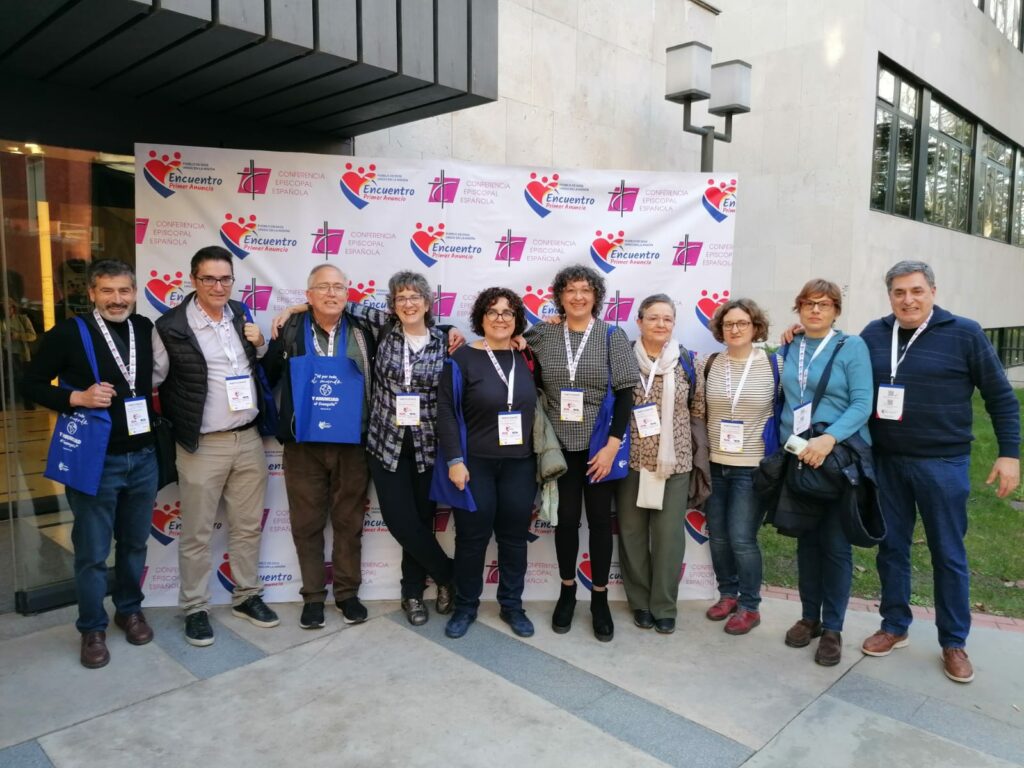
[183, 393]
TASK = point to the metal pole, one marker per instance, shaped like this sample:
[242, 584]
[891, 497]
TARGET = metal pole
[707, 150]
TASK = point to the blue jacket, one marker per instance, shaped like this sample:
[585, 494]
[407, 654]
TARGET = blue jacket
[939, 373]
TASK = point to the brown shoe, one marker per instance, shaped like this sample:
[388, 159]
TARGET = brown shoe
[94, 650]
[722, 609]
[136, 630]
[801, 633]
[830, 648]
[883, 643]
[956, 665]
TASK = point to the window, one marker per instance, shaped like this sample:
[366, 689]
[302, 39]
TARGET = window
[993, 211]
[893, 167]
[1018, 207]
[1009, 344]
[1007, 15]
[948, 175]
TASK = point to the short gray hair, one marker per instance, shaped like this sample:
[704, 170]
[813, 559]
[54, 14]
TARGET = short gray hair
[657, 298]
[412, 281]
[319, 268]
[109, 268]
[908, 267]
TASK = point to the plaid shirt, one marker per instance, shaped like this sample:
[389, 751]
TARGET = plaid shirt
[548, 344]
[384, 439]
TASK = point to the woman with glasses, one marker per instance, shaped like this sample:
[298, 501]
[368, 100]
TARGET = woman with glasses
[651, 501]
[740, 389]
[488, 388]
[579, 359]
[824, 557]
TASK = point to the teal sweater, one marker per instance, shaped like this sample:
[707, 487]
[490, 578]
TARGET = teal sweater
[846, 404]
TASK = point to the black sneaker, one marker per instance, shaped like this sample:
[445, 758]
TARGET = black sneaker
[198, 631]
[312, 616]
[256, 612]
[352, 611]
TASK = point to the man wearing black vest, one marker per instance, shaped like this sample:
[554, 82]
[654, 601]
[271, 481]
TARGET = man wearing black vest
[122, 507]
[210, 353]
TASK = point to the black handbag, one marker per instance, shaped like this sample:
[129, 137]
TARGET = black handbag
[166, 452]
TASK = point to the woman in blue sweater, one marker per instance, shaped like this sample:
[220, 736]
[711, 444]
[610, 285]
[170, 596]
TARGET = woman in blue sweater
[824, 557]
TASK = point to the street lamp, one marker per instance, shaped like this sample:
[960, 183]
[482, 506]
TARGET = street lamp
[690, 76]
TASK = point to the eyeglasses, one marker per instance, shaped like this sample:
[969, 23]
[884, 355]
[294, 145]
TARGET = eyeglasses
[824, 305]
[739, 325]
[584, 293]
[411, 301]
[208, 282]
[493, 314]
[338, 288]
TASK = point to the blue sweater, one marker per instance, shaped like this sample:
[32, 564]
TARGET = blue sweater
[939, 374]
[846, 404]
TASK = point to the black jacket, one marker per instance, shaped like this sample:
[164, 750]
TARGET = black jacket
[183, 393]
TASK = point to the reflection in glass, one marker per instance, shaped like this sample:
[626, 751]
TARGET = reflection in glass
[1018, 211]
[908, 99]
[880, 161]
[886, 86]
[903, 193]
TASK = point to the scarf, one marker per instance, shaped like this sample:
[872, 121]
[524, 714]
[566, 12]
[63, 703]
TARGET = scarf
[665, 364]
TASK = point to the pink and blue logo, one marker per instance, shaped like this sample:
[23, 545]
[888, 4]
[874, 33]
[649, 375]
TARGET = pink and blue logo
[707, 305]
[537, 192]
[356, 182]
[360, 292]
[623, 199]
[253, 181]
[157, 171]
[164, 293]
[687, 253]
[604, 248]
[720, 199]
[510, 247]
[423, 241]
[224, 575]
[256, 297]
[697, 526]
[539, 304]
[585, 572]
[166, 524]
[443, 189]
[444, 304]
[618, 309]
[327, 241]
[141, 225]
[234, 231]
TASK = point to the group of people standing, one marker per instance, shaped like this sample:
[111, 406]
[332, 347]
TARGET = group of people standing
[571, 408]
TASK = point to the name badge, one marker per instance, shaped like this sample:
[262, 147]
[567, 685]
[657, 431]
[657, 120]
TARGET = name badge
[648, 422]
[239, 393]
[571, 407]
[510, 428]
[890, 402]
[801, 418]
[137, 415]
[407, 409]
[730, 437]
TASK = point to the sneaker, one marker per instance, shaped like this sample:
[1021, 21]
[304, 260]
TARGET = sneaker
[801, 633]
[256, 612]
[643, 619]
[830, 648]
[664, 626]
[721, 610]
[198, 631]
[458, 625]
[415, 611]
[742, 622]
[956, 665]
[445, 599]
[518, 621]
[352, 611]
[312, 616]
[883, 643]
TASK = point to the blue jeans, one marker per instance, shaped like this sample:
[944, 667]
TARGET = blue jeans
[938, 489]
[504, 491]
[733, 518]
[825, 572]
[122, 510]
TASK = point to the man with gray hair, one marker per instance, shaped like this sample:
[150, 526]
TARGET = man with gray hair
[927, 363]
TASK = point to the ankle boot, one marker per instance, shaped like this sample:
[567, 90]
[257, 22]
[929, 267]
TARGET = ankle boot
[604, 629]
[561, 619]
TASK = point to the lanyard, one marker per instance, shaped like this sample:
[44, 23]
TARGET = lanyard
[330, 339]
[574, 360]
[803, 373]
[128, 371]
[510, 380]
[225, 325]
[654, 372]
[893, 362]
[735, 398]
[406, 362]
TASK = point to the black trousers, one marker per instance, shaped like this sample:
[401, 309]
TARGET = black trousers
[573, 490]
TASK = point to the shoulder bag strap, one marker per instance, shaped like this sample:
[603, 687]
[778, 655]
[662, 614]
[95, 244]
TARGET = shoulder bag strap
[90, 351]
[826, 374]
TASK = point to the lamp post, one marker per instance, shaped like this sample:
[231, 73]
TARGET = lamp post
[690, 76]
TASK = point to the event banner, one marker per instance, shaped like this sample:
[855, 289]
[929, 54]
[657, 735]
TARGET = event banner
[464, 227]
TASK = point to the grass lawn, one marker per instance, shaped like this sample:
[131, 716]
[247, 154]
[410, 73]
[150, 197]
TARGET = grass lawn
[995, 542]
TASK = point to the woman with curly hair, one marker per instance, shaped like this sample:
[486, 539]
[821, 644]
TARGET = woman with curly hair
[488, 387]
[578, 360]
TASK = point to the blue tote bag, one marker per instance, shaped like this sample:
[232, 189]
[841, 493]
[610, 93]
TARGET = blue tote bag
[442, 489]
[603, 427]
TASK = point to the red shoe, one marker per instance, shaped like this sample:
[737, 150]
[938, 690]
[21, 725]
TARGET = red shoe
[742, 622]
[722, 609]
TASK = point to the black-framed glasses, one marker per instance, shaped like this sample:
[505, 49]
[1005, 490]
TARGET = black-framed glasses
[505, 314]
[738, 325]
[208, 282]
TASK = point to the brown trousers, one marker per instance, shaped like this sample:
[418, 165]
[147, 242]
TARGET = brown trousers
[327, 481]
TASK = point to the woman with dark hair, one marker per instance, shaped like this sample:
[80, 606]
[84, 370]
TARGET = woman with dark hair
[580, 359]
[740, 389]
[488, 387]
[824, 557]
